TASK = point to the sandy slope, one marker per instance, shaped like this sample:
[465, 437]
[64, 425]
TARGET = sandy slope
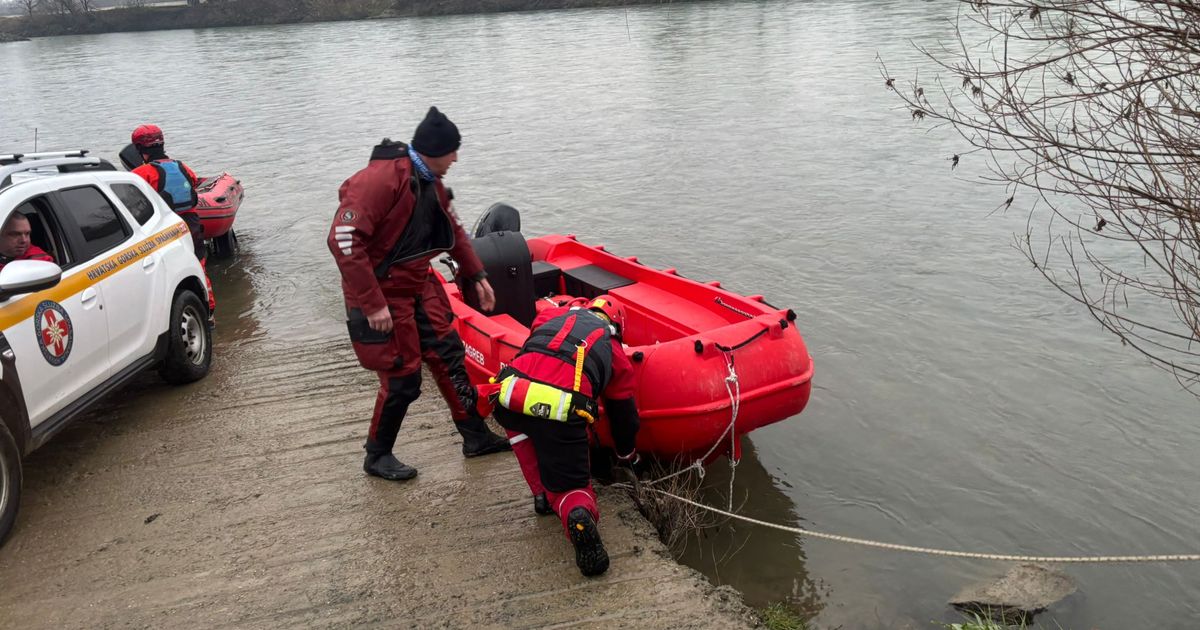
[240, 502]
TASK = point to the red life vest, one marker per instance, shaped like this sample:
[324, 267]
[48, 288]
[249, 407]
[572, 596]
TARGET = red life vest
[564, 336]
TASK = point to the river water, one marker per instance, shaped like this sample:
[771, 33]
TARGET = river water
[959, 400]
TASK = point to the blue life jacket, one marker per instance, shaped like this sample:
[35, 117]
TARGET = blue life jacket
[174, 186]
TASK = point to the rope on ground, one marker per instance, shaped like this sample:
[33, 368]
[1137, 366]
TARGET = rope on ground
[1184, 557]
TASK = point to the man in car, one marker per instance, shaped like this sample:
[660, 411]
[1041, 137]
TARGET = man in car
[15, 241]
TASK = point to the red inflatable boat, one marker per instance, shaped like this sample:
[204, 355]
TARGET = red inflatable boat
[218, 201]
[700, 352]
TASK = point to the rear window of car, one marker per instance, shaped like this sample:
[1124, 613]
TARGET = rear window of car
[97, 219]
[138, 205]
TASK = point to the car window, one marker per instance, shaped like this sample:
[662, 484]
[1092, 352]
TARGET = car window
[137, 203]
[44, 232]
[96, 218]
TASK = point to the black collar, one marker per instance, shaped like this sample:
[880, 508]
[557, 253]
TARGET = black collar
[389, 150]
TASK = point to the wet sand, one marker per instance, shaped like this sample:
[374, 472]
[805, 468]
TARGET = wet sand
[240, 502]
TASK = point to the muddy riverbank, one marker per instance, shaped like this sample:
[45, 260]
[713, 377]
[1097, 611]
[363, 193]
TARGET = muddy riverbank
[239, 502]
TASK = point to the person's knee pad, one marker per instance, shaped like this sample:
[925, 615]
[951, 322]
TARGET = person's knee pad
[405, 389]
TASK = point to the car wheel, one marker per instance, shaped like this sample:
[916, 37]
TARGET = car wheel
[225, 245]
[189, 343]
[10, 481]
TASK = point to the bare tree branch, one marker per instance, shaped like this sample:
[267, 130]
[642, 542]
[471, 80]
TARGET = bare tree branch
[1094, 106]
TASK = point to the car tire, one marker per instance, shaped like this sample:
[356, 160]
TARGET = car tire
[10, 481]
[225, 245]
[189, 341]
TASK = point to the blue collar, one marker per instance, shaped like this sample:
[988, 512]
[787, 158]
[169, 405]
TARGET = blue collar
[422, 170]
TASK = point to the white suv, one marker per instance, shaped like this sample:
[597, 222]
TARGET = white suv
[124, 294]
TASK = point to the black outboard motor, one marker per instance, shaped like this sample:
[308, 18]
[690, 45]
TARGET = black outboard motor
[505, 256]
[131, 157]
[501, 217]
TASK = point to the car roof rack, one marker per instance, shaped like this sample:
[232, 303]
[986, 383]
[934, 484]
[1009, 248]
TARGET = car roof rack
[13, 158]
[61, 161]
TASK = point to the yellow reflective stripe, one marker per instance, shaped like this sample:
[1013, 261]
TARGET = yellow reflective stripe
[24, 308]
[506, 388]
[564, 406]
[579, 366]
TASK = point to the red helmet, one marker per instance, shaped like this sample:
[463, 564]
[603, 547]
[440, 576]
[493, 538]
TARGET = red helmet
[147, 136]
[612, 308]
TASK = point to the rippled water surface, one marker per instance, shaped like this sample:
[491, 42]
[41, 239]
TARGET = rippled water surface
[960, 401]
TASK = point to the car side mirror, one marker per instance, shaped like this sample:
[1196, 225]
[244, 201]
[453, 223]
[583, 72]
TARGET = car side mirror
[27, 276]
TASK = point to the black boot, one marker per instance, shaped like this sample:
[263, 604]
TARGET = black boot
[380, 462]
[541, 505]
[388, 467]
[478, 439]
[590, 556]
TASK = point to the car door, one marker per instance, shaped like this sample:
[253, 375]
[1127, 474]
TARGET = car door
[135, 288]
[96, 232]
[61, 339]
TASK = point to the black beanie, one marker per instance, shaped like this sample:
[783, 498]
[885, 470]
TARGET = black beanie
[436, 135]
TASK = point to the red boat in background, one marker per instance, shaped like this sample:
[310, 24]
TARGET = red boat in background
[709, 362]
[218, 200]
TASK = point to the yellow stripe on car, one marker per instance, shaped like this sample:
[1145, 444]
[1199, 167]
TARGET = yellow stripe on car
[24, 308]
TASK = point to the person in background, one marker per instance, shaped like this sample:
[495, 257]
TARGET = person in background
[176, 184]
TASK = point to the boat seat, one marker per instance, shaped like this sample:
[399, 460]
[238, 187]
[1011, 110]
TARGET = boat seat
[590, 281]
[547, 279]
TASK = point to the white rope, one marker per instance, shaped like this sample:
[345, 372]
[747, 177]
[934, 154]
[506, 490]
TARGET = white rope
[1184, 557]
[734, 389]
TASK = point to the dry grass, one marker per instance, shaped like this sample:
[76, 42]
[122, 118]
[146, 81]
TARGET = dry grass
[674, 520]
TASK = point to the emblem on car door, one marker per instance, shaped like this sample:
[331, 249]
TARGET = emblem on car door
[54, 332]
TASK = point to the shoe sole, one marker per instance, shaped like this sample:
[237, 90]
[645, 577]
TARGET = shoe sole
[404, 477]
[499, 448]
[590, 555]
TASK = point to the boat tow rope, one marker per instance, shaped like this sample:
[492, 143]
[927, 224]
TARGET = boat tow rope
[1183, 557]
[733, 388]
